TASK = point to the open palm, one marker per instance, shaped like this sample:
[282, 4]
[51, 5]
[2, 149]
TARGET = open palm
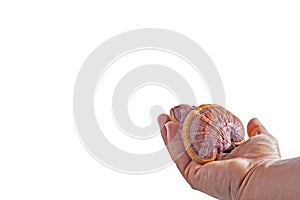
[231, 174]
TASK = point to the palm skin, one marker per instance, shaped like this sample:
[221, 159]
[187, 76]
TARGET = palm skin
[232, 175]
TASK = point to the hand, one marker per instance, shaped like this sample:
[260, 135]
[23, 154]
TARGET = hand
[228, 177]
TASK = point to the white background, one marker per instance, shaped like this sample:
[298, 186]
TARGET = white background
[255, 47]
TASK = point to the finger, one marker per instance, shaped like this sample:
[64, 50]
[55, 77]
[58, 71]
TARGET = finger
[176, 147]
[162, 120]
[223, 156]
[254, 127]
[174, 141]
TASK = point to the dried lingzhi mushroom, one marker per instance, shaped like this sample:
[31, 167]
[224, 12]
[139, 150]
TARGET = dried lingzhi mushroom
[207, 130]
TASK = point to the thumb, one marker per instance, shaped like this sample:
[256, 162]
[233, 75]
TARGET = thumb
[255, 127]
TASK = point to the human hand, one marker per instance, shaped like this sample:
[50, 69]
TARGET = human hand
[232, 175]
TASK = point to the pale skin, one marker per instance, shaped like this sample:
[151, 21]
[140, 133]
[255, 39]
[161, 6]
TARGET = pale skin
[254, 170]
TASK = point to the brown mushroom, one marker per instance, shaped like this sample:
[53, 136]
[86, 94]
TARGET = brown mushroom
[207, 130]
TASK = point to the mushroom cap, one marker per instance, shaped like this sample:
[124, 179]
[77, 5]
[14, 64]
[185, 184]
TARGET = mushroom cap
[209, 130]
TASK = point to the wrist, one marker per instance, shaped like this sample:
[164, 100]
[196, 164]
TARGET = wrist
[273, 179]
[254, 184]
